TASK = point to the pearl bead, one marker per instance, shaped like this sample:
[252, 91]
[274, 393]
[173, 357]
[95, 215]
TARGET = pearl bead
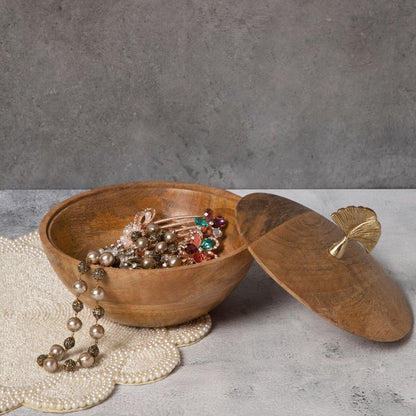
[97, 293]
[50, 364]
[79, 287]
[152, 228]
[93, 256]
[142, 243]
[175, 261]
[86, 360]
[107, 259]
[161, 247]
[97, 331]
[57, 351]
[170, 236]
[74, 324]
[149, 263]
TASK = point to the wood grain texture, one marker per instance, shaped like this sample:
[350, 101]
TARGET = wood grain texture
[149, 298]
[354, 293]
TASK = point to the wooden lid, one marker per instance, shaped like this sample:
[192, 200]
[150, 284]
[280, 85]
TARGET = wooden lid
[291, 242]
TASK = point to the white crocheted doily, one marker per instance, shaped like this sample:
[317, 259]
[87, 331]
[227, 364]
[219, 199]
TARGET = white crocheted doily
[34, 308]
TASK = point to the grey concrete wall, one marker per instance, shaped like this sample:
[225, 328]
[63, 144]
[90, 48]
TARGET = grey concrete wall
[237, 94]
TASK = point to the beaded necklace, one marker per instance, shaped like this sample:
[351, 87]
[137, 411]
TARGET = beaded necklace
[86, 359]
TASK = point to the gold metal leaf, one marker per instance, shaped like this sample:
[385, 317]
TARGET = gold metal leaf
[359, 224]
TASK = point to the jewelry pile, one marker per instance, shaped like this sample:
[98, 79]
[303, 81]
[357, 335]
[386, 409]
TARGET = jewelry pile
[145, 244]
[168, 242]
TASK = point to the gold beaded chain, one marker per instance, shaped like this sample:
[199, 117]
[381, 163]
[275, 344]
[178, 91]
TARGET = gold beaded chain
[50, 361]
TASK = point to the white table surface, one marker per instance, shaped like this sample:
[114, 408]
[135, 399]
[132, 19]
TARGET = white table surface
[267, 354]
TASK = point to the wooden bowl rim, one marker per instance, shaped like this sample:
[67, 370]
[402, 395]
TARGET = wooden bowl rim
[55, 210]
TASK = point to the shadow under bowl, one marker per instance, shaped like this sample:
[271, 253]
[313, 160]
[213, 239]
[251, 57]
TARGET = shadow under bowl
[147, 298]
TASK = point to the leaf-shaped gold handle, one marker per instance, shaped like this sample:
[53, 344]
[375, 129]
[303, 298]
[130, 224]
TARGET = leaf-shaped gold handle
[359, 224]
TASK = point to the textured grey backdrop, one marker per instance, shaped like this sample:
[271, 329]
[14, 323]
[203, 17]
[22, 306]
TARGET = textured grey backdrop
[237, 94]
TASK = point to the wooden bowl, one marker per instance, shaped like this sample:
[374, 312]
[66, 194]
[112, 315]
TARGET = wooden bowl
[148, 298]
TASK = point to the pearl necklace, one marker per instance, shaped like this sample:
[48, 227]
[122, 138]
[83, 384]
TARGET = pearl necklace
[50, 362]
